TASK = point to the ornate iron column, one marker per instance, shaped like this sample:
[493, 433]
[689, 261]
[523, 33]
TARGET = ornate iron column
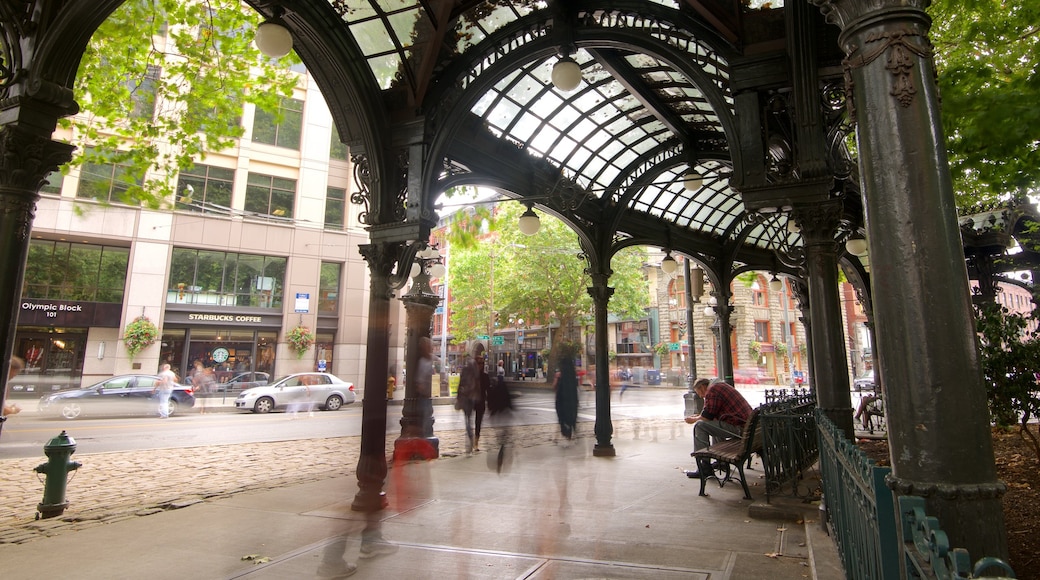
[420, 302]
[371, 469]
[939, 428]
[601, 294]
[801, 292]
[25, 161]
[819, 226]
[723, 335]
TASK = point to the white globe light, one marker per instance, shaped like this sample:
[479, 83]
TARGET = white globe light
[273, 39]
[529, 223]
[668, 264]
[415, 270]
[708, 311]
[776, 284]
[856, 246]
[692, 181]
[566, 74]
[438, 270]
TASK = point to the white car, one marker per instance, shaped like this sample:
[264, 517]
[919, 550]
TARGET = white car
[300, 391]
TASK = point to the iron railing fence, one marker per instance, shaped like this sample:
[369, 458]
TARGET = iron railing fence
[779, 395]
[857, 502]
[790, 445]
[863, 521]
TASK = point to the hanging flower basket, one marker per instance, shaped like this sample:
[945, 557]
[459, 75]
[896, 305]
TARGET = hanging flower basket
[138, 335]
[300, 339]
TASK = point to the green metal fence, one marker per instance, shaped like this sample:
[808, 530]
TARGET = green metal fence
[859, 506]
[790, 445]
[863, 521]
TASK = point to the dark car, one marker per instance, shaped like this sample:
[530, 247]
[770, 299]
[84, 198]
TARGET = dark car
[243, 381]
[119, 395]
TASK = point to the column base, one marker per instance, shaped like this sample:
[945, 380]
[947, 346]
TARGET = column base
[369, 501]
[416, 448]
[603, 451]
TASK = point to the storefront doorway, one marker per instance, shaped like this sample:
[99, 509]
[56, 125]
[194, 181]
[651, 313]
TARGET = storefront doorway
[53, 360]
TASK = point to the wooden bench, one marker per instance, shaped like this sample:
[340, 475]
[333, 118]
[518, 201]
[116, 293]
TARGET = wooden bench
[715, 462]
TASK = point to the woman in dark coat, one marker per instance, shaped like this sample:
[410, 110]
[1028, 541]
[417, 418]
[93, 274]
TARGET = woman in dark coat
[566, 387]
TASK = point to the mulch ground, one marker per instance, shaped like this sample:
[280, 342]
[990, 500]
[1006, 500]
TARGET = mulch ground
[1019, 467]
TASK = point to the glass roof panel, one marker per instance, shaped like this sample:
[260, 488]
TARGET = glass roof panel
[372, 37]
[385, 68]
[404, 25]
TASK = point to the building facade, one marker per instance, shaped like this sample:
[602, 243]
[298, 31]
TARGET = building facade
[261, 239]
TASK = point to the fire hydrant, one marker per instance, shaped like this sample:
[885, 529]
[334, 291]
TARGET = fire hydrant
[59, 451]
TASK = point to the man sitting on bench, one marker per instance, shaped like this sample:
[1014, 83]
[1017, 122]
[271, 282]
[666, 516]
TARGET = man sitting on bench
[723, 416]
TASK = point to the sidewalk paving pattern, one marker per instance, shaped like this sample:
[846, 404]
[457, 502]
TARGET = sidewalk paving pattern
[278, 510]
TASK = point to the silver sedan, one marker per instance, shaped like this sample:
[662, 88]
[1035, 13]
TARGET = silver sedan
[298, 392]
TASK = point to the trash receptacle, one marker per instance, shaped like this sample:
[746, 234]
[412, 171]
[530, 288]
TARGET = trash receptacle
[653, 377]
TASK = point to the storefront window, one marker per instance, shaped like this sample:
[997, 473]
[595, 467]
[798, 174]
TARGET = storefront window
[227, 351]
[225, 279]
[323, 352]
[53, 361]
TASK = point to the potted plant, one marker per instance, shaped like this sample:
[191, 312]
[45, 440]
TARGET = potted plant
[138, 335]
[300, 339]
[754, 349]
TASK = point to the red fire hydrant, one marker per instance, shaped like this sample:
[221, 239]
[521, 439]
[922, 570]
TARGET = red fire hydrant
[59, 451]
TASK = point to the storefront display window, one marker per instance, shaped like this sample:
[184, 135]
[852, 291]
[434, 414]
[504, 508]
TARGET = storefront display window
[226, 351]
[53, 361]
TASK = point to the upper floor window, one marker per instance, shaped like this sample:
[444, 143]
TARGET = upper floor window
[282, 128]
[105, 181]
[335, 207]
[225, 279]
[269, 195]
[337, 149]
[677, 293]
[328, 287]
[142, 93]
[67, 271]
[205, 188]
[762, 331]
[758, 292]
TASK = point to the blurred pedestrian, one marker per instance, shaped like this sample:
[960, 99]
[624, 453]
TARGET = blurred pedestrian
[15, 367]
[500, 409]
[473, 387]
[167, 380]
[424, 384]
[566, 386]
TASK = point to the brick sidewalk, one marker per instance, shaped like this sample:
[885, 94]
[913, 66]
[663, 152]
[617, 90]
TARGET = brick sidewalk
[114, 486]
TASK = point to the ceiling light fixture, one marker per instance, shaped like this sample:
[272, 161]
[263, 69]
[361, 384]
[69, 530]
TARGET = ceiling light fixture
[693, 180]
[566, 74]
[668, 264]
[776, 284]
[856, 246]
[529, 223]
[273, 38]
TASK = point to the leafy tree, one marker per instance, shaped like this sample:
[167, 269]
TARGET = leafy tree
[542, 278]
[1010, 355]
[988, 58]
[152, 106]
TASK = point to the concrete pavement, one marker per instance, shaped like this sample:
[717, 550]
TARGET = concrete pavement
[278, 510]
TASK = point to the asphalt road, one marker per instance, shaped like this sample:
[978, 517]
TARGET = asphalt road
[25, 434]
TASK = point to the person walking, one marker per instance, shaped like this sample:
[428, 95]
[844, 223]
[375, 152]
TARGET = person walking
[566, 387]
[723, 417]
[16, 365]
[167, 379]
[473, 387]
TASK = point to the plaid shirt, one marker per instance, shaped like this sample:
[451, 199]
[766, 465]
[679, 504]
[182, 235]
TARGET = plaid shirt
[724, 403]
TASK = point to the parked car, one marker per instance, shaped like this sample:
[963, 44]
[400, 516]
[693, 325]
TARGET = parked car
[306, 390]
[119, 395]
[243, 381]
[865, 382]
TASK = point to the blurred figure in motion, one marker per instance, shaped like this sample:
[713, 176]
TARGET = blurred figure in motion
[566, 386]
[15, 367]
[473, 387]
[500, 407]
[333, 562]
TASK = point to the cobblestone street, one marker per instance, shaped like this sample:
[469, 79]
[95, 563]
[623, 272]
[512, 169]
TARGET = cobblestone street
[114, 486]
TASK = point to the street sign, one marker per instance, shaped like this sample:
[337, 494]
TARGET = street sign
[303, 302]
[674, 346]
[482, 337]
[497, 340]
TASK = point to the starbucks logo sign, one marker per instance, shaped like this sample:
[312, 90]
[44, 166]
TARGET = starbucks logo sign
[220, 354]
